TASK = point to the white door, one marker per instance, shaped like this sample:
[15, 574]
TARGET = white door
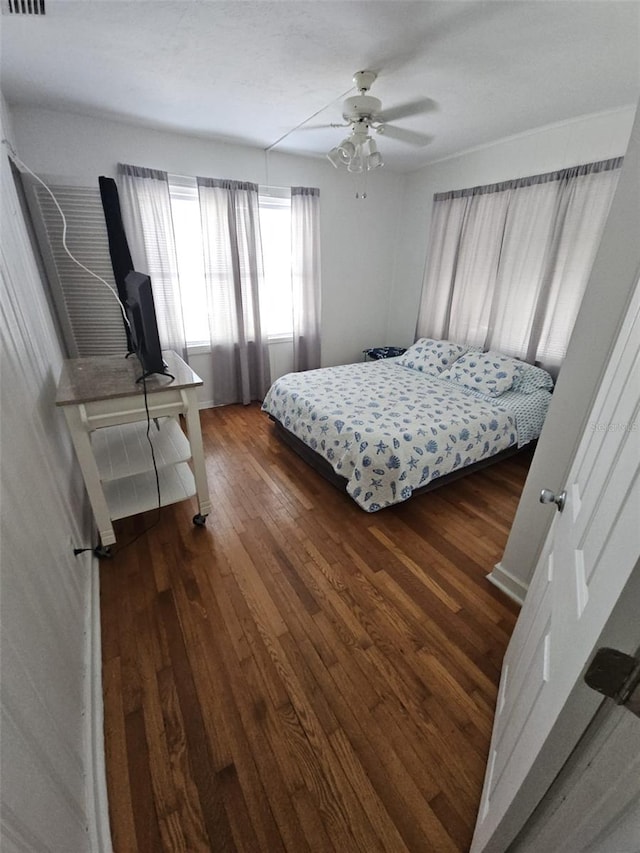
[592, 548]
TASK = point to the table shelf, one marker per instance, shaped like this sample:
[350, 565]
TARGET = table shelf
[131, 495]
[123, 450]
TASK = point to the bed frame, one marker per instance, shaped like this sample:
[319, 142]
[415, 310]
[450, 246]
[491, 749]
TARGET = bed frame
[320, 464]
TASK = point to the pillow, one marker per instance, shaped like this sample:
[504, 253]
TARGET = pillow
[429, 356]
[488, 372]
[529, 378]
[532, 378]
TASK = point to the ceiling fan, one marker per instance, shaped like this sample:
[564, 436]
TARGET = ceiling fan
[362, 113]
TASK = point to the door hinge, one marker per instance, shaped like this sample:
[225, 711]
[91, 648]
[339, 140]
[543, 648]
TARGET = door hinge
[616, 675]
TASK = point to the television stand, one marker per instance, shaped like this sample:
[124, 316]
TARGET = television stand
[105, 410]
[148, 373]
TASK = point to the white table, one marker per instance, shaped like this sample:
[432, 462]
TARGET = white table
[105, 410]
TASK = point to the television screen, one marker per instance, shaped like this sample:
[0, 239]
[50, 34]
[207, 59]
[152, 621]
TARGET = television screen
[141, 313]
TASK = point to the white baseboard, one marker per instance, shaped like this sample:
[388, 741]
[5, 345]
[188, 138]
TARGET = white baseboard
[205, 404]
[99, 830]
[508, 583]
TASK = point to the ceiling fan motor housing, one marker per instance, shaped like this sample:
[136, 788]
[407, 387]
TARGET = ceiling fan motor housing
[360, 107]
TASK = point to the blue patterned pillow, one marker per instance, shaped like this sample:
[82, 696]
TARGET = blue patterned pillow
[532, 378]
[488, 372]
[429, 356]
[529, 378]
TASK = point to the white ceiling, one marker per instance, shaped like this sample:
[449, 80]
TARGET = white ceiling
[251, 71]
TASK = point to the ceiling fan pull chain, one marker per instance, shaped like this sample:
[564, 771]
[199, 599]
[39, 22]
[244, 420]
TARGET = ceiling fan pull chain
[361, 184]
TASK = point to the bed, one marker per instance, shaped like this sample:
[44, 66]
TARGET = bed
[386, 429]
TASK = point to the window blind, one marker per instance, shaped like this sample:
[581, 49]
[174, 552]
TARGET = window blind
[89, 314]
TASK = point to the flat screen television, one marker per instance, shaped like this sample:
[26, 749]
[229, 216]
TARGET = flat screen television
[141, 313]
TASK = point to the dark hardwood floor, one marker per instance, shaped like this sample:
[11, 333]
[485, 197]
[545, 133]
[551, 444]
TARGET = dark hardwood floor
[300, 675]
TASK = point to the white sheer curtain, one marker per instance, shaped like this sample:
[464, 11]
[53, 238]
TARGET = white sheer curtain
[146, 214]
[508, 263]
[523, 261]
[435, 305]
[233, 276]
[305, 276]
[477, 267]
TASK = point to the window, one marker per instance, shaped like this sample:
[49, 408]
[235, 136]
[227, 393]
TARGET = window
[185, 212]
[508, 263]
[275, 228]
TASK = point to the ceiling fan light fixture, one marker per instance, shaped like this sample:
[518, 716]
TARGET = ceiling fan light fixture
[347, 150]
[358, 153]
[357, 162]
[335, 158]
[374, 160]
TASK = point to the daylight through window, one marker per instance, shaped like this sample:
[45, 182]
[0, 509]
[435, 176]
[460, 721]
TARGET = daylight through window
[275, 227]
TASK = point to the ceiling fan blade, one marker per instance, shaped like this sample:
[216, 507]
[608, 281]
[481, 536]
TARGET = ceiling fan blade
[418, 106]
[411, 137]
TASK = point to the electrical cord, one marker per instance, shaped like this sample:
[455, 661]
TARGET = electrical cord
[13, 156]
[153, 454]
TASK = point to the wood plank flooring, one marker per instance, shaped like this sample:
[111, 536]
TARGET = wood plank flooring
[300, 675]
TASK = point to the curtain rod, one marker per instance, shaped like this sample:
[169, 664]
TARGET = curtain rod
[531, 180]
[193, 178]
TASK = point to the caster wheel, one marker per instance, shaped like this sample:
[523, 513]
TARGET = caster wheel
[102, 551]
[199, 520]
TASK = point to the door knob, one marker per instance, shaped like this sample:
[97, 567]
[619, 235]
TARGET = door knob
[548, 497]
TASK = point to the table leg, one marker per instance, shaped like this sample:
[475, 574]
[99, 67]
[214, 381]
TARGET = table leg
[194, 433]
[93, 484]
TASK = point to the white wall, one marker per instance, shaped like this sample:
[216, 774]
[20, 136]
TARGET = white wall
[358, 236]
[584, 140]
[48, 641]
